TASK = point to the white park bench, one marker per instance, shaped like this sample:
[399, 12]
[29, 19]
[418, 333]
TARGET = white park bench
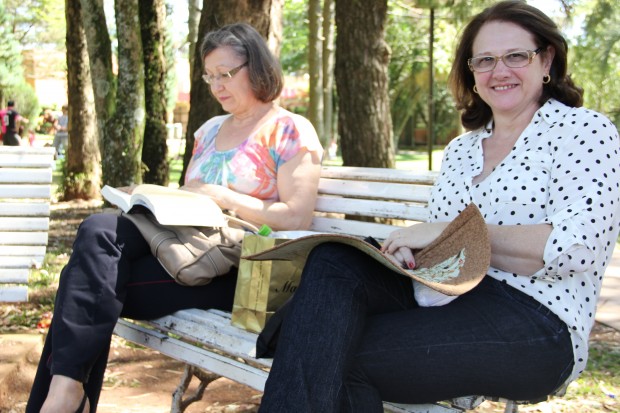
[25, 192]
[205, 340]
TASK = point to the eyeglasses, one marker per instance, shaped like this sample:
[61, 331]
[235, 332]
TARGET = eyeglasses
[518, 58]
[222, 77]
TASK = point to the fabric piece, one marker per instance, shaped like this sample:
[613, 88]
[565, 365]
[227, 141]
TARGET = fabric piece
[465, 236]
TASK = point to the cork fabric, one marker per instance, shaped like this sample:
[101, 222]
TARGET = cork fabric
[452, 264]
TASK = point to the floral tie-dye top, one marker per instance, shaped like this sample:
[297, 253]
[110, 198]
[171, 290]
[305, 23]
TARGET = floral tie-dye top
[252, 167]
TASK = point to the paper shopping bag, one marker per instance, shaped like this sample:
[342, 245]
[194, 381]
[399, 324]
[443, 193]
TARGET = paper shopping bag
[262, 286]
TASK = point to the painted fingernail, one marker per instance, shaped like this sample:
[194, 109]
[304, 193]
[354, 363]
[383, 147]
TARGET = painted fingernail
[411, 265]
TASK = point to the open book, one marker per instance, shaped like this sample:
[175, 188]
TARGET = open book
[170, 206]
[452, 264]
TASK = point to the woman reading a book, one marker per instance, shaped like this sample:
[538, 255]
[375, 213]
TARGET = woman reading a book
[545, 174]
[259, 161]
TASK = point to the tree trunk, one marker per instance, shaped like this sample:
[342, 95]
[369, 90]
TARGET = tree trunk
[155, 148]
[315, 68]
[362, 57]
[100, 59]
[328, 70]
[264, 15]
[125, 128]
[193, 19]
[82, 178]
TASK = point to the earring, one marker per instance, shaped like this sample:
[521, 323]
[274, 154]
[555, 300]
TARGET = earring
[475, 89]
[546, 79]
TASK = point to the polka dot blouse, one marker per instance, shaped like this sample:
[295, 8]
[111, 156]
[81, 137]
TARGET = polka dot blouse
[564, 170]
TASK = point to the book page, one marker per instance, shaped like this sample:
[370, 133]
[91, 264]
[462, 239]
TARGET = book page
[170, 206]
[117, 197]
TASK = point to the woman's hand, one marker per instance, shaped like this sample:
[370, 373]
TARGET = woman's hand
[221, 195]
[401, 243]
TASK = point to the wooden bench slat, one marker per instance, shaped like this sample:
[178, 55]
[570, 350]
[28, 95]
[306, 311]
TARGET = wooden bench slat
[26, 157]
[213, 337]
[25, 175]
[12, 294]
[29, 151]
[379, 174]
[24, 224]
[23, 238]
[375, 190]
[22, 250]
[215, 330]
[26, 191]
[419, 408]
[14, 276]
[196, 356]
[372, 208]
[31, 209]
[22, 262]
[216, 320]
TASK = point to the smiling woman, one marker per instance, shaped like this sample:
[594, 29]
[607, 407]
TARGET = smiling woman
[545, 174]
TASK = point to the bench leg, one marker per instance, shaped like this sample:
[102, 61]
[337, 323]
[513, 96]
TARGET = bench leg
[179, 404]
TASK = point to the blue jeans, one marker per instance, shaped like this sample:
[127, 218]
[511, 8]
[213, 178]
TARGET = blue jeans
[355, 337]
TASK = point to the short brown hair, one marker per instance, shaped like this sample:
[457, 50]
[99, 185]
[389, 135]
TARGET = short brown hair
[475, 112]
[264, 69]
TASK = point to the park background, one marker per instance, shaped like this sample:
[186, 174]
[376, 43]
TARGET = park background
[371, 75]
[383, 91]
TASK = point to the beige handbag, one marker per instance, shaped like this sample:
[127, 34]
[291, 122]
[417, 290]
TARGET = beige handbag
[193, 255]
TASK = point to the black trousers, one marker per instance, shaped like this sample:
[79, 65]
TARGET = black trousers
[10, 138]
[110, 274]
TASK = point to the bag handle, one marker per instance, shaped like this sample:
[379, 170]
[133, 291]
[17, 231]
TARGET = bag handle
[241, 223]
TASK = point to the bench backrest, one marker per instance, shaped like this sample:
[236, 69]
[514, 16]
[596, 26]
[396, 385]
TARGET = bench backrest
[349, 193]
[25, 192]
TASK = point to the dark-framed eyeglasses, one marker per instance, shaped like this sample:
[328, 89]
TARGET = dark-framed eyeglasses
[514, 59]
[223, 77]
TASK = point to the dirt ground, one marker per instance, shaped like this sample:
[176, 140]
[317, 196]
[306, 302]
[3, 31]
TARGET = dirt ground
[142, 380]
[137, 379]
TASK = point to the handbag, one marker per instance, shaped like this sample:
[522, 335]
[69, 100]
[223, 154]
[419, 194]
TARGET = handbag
[193, 255]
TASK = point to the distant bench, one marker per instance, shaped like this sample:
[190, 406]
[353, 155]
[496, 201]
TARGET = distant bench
[25, 192]
[206, 340]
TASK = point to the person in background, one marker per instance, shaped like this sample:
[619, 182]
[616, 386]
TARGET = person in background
[259, 161]
[545, 174]
[61, 137]
[11, 120]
